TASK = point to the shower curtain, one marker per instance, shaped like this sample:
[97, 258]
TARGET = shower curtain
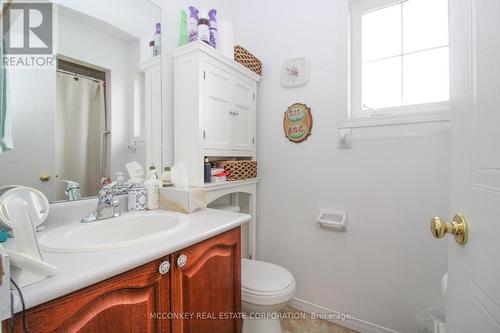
[80, 120]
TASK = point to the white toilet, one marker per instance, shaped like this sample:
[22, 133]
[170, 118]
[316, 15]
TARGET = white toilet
[265, 289]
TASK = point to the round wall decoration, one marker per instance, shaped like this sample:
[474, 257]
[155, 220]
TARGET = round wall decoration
[297, 122]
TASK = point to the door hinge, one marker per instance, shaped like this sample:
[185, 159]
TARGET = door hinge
[204, 75]
[254, 96]
[204, 134]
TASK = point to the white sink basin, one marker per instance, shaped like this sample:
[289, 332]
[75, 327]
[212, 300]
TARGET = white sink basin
[125, 230]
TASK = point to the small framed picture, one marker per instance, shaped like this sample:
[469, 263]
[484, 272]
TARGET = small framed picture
[294, 72]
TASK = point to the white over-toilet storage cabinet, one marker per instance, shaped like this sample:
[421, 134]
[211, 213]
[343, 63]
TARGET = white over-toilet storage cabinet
[215, 113]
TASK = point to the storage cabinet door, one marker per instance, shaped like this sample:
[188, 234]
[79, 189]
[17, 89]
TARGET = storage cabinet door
[125, 303]
[208, 284]
[217, 105]
[243, 115]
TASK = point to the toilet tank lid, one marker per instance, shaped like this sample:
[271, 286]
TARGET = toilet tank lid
[261, 276]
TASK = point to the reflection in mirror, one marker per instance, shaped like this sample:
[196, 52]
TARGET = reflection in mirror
[73, 123]
[81, 129]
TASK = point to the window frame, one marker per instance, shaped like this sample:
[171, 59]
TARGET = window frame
[404, 114]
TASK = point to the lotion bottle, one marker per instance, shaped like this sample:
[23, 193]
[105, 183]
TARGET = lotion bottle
[204, 27]
[152, 189]
[166, 178]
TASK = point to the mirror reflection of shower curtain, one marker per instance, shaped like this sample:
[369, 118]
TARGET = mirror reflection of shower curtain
[80, 120]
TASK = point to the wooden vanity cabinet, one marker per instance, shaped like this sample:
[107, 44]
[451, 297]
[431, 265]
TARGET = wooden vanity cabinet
[143, 300]
[120, 304]
[206, 283]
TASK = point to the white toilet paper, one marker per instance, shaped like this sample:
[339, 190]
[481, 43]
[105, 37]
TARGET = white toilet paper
[225, 38]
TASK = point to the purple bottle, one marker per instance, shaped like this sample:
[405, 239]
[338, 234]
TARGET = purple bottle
[193, 24]
[213, 27]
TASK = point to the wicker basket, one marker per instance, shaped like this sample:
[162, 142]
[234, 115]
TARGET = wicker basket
[239, 170]
[247, 59]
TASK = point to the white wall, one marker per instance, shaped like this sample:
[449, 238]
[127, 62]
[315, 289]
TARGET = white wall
[386, 267]
[89, 40]
[136, 17]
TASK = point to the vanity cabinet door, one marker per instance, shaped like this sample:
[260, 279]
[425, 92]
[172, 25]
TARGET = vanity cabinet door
[206, 286]
[125, 303]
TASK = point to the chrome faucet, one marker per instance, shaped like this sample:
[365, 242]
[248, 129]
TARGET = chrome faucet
[105, 201]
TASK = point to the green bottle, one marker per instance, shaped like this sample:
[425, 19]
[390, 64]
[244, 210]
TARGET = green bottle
[183, 36]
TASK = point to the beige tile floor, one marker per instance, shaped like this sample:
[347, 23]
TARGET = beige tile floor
[303, 325]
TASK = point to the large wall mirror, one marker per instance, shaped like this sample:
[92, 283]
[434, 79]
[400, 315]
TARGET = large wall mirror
[84, 118]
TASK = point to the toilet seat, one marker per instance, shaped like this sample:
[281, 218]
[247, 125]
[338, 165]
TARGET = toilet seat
[263, 283]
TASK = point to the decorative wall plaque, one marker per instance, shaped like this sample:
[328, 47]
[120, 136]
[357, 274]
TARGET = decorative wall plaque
[297, 122]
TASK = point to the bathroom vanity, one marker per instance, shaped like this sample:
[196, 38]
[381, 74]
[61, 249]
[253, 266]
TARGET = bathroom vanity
[193, 285]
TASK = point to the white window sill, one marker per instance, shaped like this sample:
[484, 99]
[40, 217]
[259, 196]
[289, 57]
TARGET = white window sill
[437, 112]
[393, 120]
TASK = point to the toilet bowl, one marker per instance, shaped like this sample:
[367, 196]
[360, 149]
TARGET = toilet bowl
[265, 290]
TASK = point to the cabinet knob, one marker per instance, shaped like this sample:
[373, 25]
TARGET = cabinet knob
[164, 267]
[182, 260]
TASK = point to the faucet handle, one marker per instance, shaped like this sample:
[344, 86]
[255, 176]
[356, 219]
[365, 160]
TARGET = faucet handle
[106, 194]
[115, 205]
[109, 186]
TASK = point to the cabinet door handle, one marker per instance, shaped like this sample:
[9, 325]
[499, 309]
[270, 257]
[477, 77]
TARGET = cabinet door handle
[232, 113]
[164, 267]
[182, 260]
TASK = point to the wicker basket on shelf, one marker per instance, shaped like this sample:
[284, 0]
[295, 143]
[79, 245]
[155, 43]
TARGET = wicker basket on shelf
[247, 59]
[239, 170]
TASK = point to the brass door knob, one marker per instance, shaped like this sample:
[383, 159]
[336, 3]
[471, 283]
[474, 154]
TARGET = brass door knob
[45, 177]
[458, 228]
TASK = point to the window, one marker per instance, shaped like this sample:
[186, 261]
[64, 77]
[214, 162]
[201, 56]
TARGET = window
[399, 59]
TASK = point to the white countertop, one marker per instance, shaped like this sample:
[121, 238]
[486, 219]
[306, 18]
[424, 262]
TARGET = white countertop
[79, 270]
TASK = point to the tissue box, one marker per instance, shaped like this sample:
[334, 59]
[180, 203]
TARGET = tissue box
[183, 201]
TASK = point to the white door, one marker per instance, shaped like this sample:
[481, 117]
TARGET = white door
[217, 108]
[243, 115]
[473, 295]
[32, 98]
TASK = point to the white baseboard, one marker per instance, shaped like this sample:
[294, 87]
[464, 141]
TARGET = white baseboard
[353, 323]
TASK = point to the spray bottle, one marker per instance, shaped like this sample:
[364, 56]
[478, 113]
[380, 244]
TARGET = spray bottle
[213, 27]
[183, 35]
[193, 24]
